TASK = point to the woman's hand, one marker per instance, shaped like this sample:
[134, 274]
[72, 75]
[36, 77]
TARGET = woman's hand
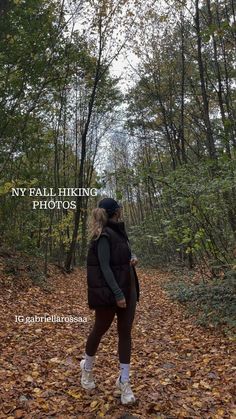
[134, 261]
[121, 303]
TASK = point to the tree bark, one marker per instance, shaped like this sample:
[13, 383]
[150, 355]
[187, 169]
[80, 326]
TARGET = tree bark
[205, 99]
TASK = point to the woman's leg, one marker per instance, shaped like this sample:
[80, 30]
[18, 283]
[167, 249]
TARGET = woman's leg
[125, 319]
[103, 319]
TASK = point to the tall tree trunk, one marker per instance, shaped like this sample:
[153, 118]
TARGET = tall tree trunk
[205, 99]
[219, 81]
[79, 200]
[181, 128]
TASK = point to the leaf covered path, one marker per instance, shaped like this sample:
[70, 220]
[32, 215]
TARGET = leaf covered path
[179, 370]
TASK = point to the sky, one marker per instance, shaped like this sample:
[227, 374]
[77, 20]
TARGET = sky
[121, 68]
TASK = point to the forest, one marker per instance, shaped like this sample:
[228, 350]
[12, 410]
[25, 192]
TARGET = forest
[165, 145]
[137, 100]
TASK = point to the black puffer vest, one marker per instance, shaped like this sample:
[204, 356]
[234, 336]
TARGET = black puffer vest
[99, 293]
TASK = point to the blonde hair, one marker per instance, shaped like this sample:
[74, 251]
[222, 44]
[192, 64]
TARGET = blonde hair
[98, 220]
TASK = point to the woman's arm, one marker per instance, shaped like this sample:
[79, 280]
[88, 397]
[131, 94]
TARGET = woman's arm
[104, 260]
[133, 258]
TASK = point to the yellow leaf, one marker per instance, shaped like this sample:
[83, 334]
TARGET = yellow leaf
[94, 404]
[205, 385]
[216, 393]
[197, 403]
[29, 379]
[70, 350]
[55, 360]
[165, 382]
[74, 394]
[37, 391]
[44, 406]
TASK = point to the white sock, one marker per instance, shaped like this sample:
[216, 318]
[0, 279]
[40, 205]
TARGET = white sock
[89, 360]
[124, 372]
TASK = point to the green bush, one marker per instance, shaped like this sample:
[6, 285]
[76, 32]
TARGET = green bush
[213, 303]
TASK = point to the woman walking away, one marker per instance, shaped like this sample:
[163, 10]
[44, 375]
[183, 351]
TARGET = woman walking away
[113, 288]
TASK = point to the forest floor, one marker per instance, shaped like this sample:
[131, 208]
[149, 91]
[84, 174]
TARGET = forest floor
[179, 369]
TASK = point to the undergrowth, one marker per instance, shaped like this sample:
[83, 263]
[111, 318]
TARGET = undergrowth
[213, 303]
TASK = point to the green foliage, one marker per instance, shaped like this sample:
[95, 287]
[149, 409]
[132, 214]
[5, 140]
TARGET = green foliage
[190, 218]
[213, 303]
[38, 278]
[46, 81]
[11, 267]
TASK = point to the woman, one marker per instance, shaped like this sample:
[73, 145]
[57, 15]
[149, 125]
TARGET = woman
[113, 288]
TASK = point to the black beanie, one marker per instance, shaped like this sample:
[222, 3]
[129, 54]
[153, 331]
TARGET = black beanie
[110, 205]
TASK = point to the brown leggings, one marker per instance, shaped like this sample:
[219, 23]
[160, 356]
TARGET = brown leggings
[103, 319]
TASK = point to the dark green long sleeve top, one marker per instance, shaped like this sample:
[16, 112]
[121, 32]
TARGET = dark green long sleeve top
[104, 260]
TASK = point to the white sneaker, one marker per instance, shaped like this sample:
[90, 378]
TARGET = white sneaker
[127, 396]
[87, 380]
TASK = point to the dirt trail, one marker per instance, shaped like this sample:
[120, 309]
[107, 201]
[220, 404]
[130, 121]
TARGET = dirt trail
[179, 370]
